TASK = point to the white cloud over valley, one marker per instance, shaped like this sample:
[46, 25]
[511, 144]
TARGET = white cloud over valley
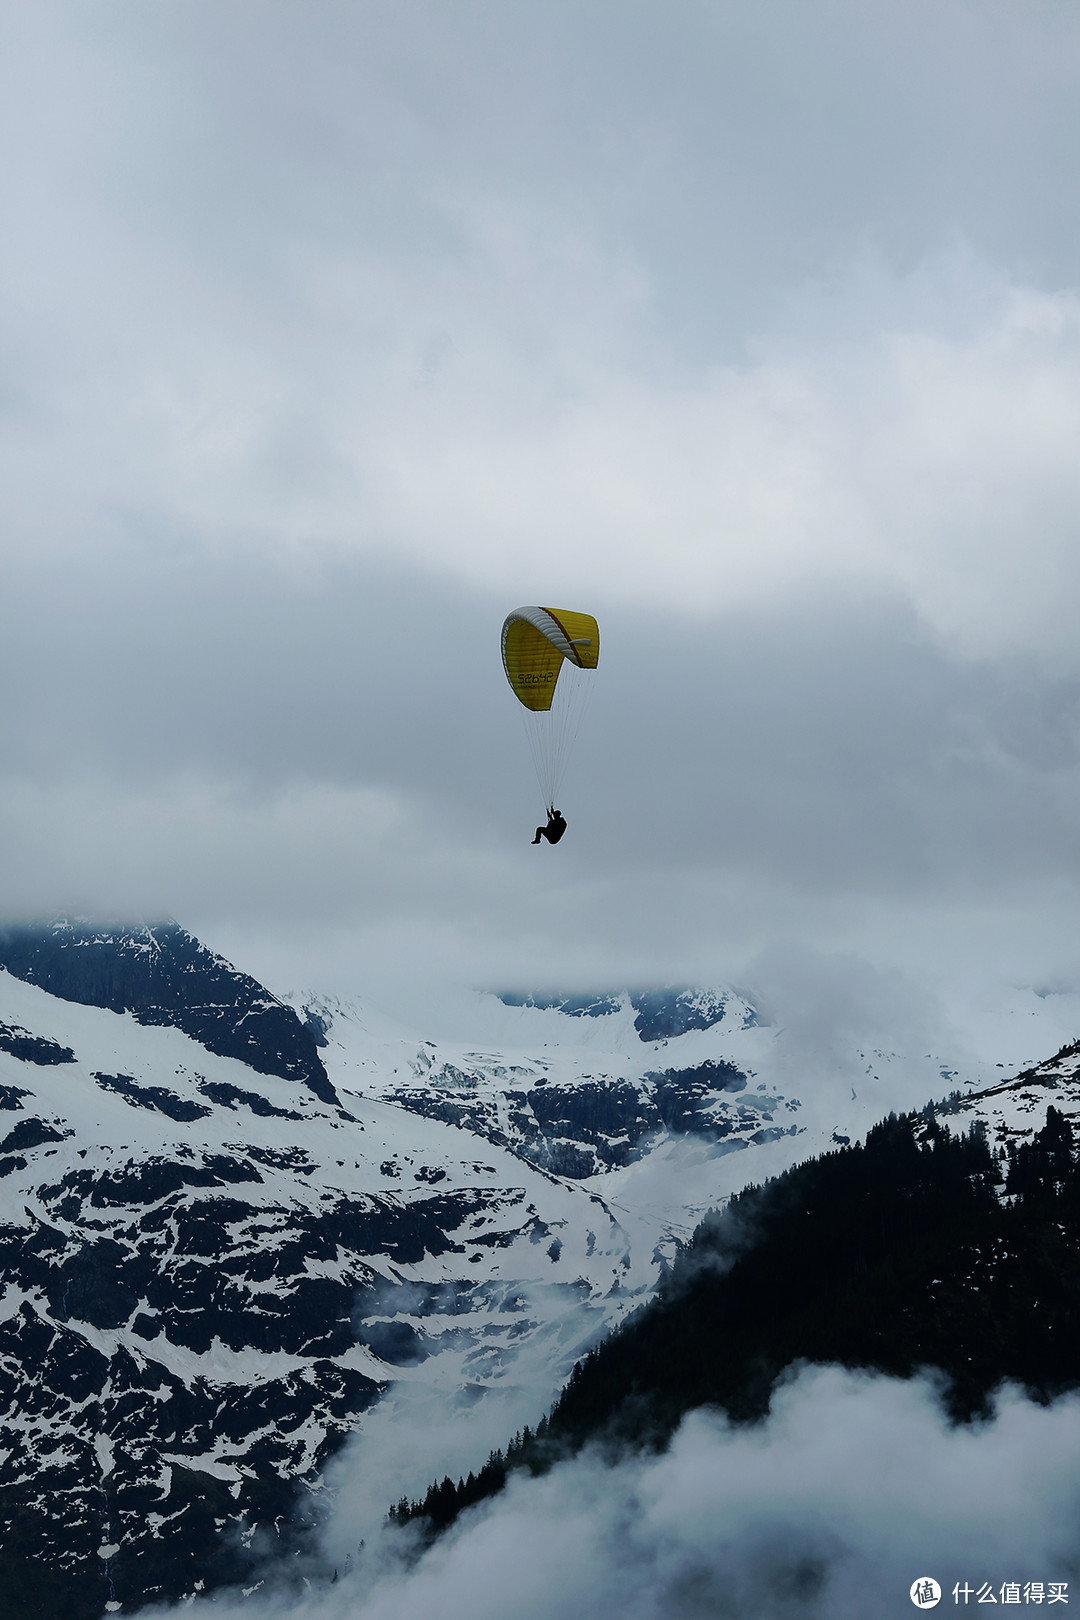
[853, 1488]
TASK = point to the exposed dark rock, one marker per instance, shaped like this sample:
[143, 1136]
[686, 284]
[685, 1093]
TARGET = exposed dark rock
[661, 1014]
[30, 1133]
[174, 1526]
[665, 1014]
[772, 1133]
[563, 1157]
[319, 1024]
[683, 1097]
[131, 1262]
[165, 1250]
[397, 1343]
[33, 1048]
[157, 1097]
[229, 1096]
[592, 1109]
[146, 1182]
[90, 1286]
[579, 1129]
[592, 1006]
[163, 975]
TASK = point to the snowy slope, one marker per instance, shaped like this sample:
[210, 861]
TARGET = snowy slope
[1015, 1108]
[228, 1224]
[209, 1272]
[662, 1102]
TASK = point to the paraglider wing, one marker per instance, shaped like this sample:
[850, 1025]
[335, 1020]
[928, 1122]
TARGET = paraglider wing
[537, 644]
[536, 640]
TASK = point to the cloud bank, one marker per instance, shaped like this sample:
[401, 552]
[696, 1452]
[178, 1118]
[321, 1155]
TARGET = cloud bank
[853, 1488]
[329, 337]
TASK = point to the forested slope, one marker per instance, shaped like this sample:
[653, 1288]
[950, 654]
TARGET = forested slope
[919, 1249]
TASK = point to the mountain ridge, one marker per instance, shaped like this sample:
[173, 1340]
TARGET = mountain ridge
[210, 1272]
[150, 970]
[919, 1251]
[213, 1270]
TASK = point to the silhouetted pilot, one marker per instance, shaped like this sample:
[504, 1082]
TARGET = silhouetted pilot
[556, 826]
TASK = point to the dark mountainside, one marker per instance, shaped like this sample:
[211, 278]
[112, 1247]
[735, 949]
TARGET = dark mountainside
[208, 1273]
[134, 1244]
[661, 1015]
[576, 1129]
[163, 975]
[896, 1256]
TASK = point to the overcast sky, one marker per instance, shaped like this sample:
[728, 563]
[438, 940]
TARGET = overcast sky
[331, 332]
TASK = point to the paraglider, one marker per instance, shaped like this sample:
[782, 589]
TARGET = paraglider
[545, 652]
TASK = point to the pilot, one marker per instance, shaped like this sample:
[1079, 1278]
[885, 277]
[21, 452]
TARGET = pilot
[556, 826]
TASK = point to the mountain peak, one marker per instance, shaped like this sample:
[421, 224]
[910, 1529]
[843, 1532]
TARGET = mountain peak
[163, 975]
[659, 1014]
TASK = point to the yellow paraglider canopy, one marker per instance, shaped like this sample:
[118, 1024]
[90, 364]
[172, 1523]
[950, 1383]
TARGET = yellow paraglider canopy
[536, 640]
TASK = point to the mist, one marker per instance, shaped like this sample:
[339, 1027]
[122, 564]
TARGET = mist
[852, 1489]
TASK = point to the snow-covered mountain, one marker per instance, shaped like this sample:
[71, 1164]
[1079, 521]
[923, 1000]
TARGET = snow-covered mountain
[1015, 1108]
[662, 1102]
[214, 1258]
[228, 1223]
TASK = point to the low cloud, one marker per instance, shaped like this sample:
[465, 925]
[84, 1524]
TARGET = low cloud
[556, 317]
[836, 1010]
[853, 1488]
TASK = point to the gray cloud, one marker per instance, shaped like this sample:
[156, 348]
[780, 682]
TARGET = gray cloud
[730, 152]
[180, 733]
[821, 739]
[328, 341]
[853, 1488]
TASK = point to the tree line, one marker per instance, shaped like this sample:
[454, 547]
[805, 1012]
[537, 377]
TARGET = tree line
[918, 1249]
